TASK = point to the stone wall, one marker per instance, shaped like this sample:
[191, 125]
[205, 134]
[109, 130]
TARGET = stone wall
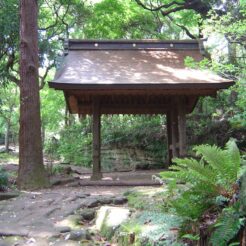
[122, 159]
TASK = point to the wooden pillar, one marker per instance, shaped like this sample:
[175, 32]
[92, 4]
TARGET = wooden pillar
[174, 124]
[96, 169]
[182, 127]
[169, 137]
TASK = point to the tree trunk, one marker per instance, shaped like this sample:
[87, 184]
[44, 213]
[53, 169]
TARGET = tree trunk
[31, 173]
[7, 137]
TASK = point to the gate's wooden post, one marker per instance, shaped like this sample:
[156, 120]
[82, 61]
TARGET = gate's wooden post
[182, 127]
[96, 169]
[169, 137]
[174, 124]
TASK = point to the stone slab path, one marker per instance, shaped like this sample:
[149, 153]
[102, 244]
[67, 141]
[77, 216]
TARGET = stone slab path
[36, 216]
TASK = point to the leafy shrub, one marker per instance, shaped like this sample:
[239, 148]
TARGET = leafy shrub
[75, 145]
[211, 184]
[3, 179]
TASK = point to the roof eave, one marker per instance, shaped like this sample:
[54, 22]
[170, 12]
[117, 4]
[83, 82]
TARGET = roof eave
[161, 86]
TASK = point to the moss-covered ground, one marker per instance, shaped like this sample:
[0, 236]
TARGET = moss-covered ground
[150, 224]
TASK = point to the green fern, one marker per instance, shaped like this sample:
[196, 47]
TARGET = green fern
[191, 205]
[225, 163]
[213, 175]
[217, 167]
[227, 226]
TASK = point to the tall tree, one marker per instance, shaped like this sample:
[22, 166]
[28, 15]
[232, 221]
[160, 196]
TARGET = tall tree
[31, 173]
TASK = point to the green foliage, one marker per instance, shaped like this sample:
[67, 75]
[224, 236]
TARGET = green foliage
[9, 29]
[143, 132]
[239, 116]
[75, 145]
[242, 193]
[58, 169]
[227, 226]
[10, 157]
[9, 108]
[191, 237]
[146, 199]
[3, 179]
[191, 205]
[52, 109]
[150, 226]
[213, 175]
[115, 19]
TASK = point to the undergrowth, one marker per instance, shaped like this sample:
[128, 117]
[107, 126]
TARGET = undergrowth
[210, 194]
[145, 199]
[153, 228]
[3, 179]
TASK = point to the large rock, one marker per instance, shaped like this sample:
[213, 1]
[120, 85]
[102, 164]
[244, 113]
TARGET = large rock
[110, 218]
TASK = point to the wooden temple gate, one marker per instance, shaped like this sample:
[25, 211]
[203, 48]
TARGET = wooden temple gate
[135, 77]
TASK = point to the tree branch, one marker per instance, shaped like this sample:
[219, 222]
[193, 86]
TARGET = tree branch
[188, 33]
[197, 5]
[14, 79]
[43, 78]
[167, 12]
[140, 3]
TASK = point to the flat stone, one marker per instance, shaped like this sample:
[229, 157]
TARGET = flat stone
[36, 242]
[8, 195]
[61, 181]
[91, 202]
[120, 200]
[105, 200]
[83, 195]
[63, 229]
[4, 243]
[12, 240]
[73, 184]
[66, 243]
[88, 214]
[78, 235]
